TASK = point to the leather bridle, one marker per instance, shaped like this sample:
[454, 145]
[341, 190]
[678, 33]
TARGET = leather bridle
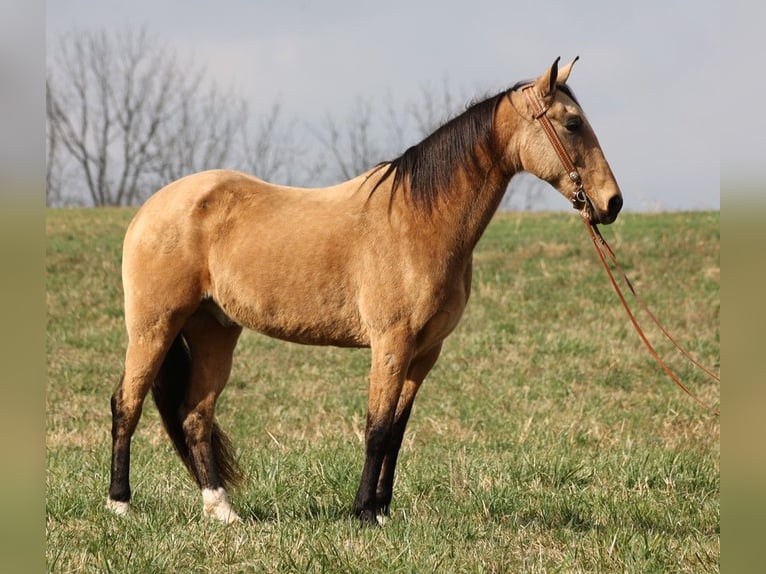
[579, 198]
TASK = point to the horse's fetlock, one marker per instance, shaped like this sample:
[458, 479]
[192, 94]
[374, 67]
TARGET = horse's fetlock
[119, 507]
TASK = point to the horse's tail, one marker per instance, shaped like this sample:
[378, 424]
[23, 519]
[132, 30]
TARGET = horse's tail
[169, 391]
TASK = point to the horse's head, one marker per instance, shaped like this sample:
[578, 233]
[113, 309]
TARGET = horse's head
[557, 144]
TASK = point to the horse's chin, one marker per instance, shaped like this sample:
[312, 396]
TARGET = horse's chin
[602, 217]
[593, 215]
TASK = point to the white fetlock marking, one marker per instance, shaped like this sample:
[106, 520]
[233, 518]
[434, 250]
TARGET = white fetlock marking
[215, 504]
[117, 506]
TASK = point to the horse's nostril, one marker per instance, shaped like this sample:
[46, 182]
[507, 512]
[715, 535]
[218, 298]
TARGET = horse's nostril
[615, 205]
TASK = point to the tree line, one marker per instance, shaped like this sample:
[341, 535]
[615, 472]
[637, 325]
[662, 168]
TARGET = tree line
[125, 116]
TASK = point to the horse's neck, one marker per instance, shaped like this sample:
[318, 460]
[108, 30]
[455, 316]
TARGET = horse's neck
[471, 208]
[475, 199]
[466, 211]
[446, 235]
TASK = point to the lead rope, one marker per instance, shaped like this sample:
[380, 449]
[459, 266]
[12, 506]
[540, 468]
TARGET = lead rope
[601, 245]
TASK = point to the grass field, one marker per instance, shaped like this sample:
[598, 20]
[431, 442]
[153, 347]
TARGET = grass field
[545, 440]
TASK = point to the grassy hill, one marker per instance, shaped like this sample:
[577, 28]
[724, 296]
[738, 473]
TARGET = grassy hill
[545, 439]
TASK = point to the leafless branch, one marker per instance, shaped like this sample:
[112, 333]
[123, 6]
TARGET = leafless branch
[129, 117]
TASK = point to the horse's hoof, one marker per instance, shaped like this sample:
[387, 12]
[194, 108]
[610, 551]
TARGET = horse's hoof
[215, 505]
[369, 518]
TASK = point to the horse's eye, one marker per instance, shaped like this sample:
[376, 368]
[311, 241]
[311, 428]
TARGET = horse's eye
[573, 124]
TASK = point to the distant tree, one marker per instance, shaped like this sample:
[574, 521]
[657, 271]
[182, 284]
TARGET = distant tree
[526, 192]
[268, 148]
[200, 132]
[369, 134]
[53, 168]
[124, 115]
[433, 108]
[350, 142]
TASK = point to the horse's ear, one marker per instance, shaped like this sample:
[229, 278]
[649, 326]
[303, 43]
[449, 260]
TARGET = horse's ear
[545, 85]
[564, 72]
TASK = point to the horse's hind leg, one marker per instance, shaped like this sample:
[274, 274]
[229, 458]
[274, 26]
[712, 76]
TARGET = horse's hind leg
[210, 457]
[419, 368]
[143, 360]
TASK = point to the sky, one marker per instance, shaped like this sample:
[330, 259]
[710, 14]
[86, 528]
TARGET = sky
[644, 78]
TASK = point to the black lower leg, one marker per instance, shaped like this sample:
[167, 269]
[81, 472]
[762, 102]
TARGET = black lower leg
[201, 460]
[366, 504]
[119, 487]
[385, 488]
[203, 465]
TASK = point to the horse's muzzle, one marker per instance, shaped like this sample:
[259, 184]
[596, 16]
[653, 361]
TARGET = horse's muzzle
[592, 213]
[613, 207]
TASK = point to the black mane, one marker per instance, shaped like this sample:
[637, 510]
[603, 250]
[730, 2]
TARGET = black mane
[427, 168]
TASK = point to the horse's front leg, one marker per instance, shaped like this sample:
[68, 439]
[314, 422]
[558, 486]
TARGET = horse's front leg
[390, 362]
[419, 368]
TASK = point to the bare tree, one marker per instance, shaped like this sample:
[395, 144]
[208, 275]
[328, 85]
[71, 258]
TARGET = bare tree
[270, 150]
[433, 108]
[526, 192]
[200, 134]
[350, 143]
[129, 116]
[125, 117]
[52, 164]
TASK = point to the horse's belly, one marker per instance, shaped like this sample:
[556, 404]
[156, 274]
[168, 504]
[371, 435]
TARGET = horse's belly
[312, 333]
[308, 323]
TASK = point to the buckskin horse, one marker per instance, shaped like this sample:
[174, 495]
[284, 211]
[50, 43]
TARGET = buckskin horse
[380, 261]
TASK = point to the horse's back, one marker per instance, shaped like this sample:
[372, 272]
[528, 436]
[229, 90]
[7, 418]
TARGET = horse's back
[215, 200]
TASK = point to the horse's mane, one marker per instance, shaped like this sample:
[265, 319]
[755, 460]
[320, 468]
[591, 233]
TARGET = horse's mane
[427, 168]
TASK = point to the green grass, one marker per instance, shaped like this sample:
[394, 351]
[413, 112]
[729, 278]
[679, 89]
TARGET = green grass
[544, 440]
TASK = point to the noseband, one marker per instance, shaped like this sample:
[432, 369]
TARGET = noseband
[539, 112]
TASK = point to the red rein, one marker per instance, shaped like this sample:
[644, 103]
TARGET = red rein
[603, 250]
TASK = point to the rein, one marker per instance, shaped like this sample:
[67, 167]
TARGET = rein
[602, 246]
[581, 202]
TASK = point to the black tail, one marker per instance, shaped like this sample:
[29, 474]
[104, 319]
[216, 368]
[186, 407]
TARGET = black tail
[169, 391]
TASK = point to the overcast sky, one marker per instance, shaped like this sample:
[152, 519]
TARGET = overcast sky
[644, 77]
